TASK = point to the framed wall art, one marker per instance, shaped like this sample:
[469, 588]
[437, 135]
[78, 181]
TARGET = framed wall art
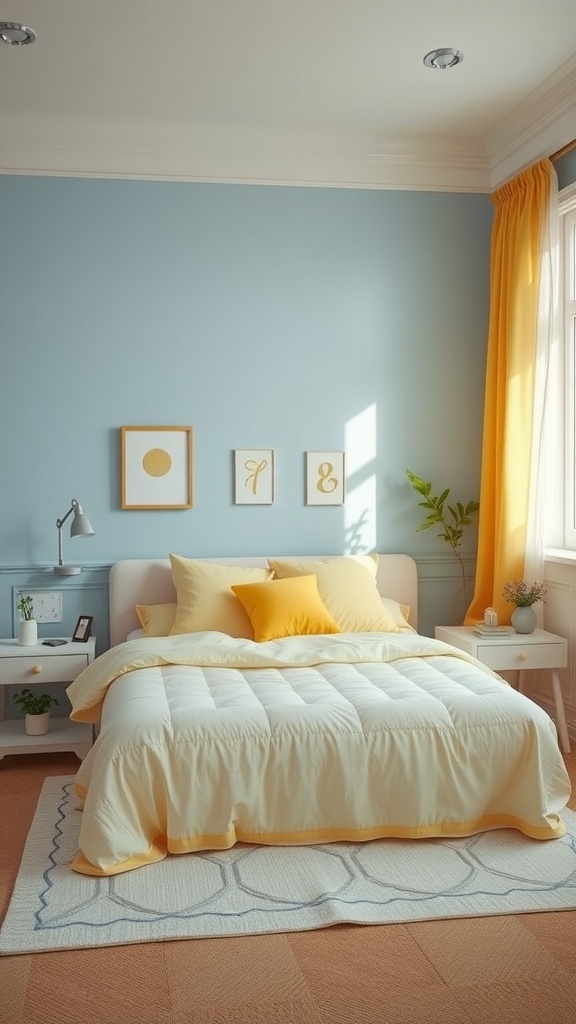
[254, 476]
[325, 483]
[156, 467]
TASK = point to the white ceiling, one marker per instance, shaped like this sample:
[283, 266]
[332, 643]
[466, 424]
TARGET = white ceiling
[303, 91]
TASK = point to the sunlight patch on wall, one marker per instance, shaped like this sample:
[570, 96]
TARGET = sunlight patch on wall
[361, 440]
[361, 490]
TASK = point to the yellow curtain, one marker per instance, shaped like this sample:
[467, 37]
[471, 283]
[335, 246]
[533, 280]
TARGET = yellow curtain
[520, 211]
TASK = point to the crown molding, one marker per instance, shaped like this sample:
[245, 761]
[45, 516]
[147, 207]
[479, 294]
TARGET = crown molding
[538, 127]
[171, 151]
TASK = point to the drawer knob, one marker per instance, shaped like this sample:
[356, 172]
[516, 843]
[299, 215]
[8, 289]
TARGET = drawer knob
[523, 656]
[36, 669]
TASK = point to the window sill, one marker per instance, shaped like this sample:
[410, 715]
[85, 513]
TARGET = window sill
[563, 556]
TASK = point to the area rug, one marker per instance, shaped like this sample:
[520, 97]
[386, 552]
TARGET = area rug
[249, 890]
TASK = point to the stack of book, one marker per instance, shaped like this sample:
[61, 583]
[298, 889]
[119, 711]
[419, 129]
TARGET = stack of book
[481, 629]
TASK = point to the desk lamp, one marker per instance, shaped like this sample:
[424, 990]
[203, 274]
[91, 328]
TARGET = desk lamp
[80, 527]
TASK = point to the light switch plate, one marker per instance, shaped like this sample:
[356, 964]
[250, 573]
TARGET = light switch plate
[47, 605]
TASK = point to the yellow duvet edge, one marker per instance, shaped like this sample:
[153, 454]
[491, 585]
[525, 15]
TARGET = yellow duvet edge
[224, 841]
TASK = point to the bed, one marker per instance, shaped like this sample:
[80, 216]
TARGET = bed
[292, 701]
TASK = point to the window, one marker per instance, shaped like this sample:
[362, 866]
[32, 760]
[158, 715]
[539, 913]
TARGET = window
[568, 301]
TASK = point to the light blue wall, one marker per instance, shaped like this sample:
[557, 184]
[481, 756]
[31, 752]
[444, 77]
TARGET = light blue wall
[263, 316]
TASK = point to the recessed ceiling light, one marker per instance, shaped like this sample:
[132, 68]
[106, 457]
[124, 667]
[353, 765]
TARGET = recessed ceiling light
[444, 58]
[14, 34]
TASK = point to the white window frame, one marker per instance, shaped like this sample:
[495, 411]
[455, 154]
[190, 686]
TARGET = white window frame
[567, 209]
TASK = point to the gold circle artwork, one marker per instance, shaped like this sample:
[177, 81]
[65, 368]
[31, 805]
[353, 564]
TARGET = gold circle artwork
[156, 462]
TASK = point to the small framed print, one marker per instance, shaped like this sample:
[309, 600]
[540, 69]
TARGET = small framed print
[254, 476]
[325, 484]
[83, 629]
[156, 467]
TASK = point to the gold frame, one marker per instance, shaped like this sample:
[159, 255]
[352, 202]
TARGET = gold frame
[162, 488]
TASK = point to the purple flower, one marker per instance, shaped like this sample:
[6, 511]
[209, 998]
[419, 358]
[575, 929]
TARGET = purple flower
[523, 594]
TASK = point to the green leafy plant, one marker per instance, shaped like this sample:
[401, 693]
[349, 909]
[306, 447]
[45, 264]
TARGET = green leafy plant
[34, 703]
[26, 606]
[452, 520]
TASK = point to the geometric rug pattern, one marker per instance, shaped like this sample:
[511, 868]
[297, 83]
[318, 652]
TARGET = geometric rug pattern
[253, 890]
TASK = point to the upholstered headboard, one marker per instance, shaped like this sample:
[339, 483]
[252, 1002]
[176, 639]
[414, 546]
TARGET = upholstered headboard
[149, 581]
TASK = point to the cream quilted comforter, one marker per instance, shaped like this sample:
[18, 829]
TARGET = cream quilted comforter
[206, 741]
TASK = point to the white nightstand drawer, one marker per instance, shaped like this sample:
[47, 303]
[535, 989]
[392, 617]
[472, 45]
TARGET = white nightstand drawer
[521, 656]
[58, 669]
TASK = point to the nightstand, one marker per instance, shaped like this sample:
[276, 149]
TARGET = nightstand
[29, 666]
[518, 652]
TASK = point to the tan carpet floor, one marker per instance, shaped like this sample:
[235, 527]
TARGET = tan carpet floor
[515, 970]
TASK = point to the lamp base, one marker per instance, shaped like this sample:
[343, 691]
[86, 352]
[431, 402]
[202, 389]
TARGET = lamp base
[67, 570]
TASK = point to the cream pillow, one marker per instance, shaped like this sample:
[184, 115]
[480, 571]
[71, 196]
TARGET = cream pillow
[205, 600]
[347, 586]
[156, 619]
[399, 612]
[291, 607]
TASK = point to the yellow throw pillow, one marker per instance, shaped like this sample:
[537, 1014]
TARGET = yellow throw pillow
[156, 619]
[347, 586]
[205, 600]
[291, 607]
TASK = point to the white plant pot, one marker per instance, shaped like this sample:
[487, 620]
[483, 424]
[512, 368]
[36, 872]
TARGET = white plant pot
[28, 632]
[37, 725]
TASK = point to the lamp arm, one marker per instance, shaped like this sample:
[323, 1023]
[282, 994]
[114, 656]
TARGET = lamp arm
[60, 522]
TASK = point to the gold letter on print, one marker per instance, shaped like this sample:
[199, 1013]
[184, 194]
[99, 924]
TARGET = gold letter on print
[326, 483]
[254, 469]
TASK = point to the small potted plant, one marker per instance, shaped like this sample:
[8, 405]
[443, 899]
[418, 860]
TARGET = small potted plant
[36, 708]
[523, 595]
[28, 627]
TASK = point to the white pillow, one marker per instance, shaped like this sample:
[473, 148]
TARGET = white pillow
[135, 634]
[399, 613]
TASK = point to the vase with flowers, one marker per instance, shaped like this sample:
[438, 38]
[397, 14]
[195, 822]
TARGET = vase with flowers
[524, 596]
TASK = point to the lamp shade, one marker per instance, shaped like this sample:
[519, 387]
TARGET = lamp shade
[80, 527]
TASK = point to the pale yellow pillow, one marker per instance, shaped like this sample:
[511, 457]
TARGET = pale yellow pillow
[347, 586]
[156, 619]
[291, 607]
[205, 600]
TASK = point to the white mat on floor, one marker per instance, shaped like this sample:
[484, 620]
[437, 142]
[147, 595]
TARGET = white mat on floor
[249, 890]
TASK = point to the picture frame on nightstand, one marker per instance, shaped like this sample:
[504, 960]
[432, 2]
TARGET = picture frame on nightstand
[83, 628]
